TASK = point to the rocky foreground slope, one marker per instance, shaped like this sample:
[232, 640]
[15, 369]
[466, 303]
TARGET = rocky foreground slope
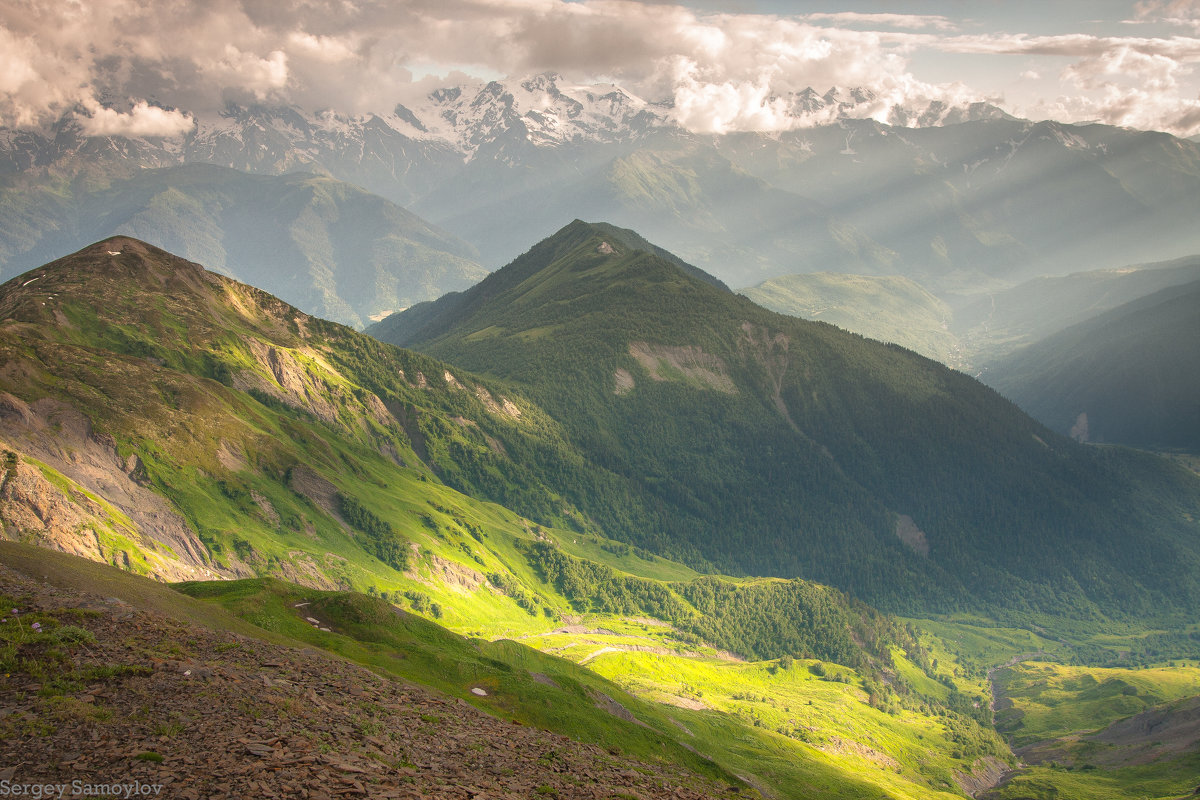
[108, 692]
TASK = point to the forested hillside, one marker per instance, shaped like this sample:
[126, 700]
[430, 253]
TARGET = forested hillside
[770, 445]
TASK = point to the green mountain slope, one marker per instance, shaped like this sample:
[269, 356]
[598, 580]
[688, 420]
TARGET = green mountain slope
[326, 246]
[178, 424]
[890, 309]
[1129, 376]
[221, 430]
[772, 445]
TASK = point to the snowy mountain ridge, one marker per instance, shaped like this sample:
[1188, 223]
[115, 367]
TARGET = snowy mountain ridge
[454, 123]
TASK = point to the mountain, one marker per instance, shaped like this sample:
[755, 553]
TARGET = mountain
[325, 245]
[480, 120]
[772, 445]
[1128, 376]
[992, 325]
[180, 424]
[889, 309]
[948, 197]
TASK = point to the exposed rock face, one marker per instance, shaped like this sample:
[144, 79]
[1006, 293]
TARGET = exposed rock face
[454, 575]
[316, 488]
[62, 438]
[771, 350]
[33, 508]
[986, 773]
[502, 406]
[292, 384]
[1079, 431]
[622, 381]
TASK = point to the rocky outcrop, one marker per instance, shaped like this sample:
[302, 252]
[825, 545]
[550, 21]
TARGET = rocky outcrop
[290, 382]
[321, 492]
[33, 508]
[71, 519]
[908, 532]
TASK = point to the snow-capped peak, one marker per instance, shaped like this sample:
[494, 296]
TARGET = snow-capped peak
[540, 109]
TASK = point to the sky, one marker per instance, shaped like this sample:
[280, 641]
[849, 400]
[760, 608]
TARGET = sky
[152, 67]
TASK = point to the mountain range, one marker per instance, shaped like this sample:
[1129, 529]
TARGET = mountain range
[970, 330]
[975, 197]
[583, 485]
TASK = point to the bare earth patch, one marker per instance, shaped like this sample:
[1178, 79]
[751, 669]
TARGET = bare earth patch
[693, 365]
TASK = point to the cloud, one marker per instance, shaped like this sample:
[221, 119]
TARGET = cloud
[1134, 88]
[1183, 49]
[143, 120]
[351, 55]
[905, 21]
[261, 76]
[1138, 82]
[1181, 13]
[722, 71]
[32, 81]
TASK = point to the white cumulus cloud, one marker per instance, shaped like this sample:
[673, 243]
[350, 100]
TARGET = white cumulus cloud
[143, 120]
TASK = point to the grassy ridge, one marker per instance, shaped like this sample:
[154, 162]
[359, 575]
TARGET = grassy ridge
[792, 727]
[520, 683]
[1052, 701]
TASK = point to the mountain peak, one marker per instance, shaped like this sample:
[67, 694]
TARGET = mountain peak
[100, 274]
[114, 257]
[580, 259]
[618, 241]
